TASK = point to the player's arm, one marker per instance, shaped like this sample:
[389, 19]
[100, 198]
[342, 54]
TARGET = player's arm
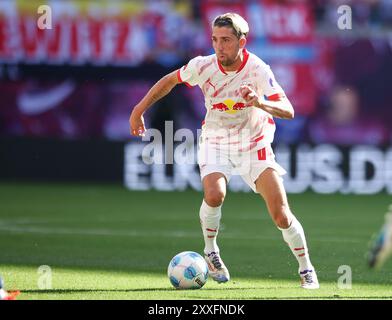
[282, 108]
[157, 92]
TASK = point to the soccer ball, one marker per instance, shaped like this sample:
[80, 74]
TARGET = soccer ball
[188, 270]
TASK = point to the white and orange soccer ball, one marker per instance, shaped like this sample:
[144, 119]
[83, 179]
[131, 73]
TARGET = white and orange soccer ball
[188, 270]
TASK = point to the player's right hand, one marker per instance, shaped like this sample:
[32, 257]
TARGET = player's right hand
[249, 95]
[136, 123]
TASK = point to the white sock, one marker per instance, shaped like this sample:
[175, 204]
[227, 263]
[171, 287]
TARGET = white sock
[295, 237]
[209, 220]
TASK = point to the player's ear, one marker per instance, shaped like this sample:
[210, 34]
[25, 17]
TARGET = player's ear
[242, 42]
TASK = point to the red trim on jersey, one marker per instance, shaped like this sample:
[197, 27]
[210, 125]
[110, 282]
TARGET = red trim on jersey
[259, 138]
[220, 66]
[271, 121]
[246, 58]
[261, 154]
[179, 76]
[180, 80]
[276, 97]
[297, 249]
[203, 123]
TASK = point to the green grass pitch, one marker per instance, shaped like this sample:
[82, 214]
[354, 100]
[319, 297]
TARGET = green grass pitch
[105, 242]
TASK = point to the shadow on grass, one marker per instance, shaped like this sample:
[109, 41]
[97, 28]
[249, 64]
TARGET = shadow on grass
[321, 297]
[70, 291]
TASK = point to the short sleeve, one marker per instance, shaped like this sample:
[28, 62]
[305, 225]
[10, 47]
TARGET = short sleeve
[269, 86]
[188, 73]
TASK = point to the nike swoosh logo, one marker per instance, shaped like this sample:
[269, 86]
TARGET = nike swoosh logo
[32, 103]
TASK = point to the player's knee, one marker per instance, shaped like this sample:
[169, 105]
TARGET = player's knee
[282, 216]
[283, 221]
[214, 198]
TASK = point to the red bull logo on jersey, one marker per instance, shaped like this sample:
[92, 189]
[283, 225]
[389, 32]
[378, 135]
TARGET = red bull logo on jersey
[229, 106]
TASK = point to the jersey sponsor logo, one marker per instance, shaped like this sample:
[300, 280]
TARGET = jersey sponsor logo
[229, 106]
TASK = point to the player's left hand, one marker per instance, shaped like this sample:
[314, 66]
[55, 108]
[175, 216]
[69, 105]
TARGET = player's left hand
[136, 123]
[250, 96]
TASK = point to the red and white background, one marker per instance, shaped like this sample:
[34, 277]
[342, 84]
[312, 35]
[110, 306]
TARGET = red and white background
[79, 80]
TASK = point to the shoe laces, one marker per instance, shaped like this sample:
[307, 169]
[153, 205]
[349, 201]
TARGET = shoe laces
[214, 258]
[308, 277]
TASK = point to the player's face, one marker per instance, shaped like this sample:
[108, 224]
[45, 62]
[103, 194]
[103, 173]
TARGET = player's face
[226, 45]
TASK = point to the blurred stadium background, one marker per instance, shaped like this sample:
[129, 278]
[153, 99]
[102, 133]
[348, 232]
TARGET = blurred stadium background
[70, 174]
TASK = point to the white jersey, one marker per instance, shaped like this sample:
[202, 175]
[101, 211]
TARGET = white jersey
[229, 124]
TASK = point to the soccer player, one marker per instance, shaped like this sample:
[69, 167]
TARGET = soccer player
[236, 136]
[381, 249]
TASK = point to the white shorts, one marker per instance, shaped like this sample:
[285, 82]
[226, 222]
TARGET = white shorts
[249, 165]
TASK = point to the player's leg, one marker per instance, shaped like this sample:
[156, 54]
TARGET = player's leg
[270, 186]
[214, 185]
